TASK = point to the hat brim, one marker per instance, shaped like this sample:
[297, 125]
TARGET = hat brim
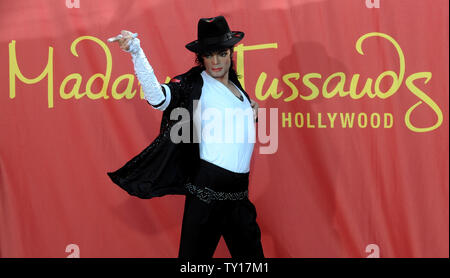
[196, 47]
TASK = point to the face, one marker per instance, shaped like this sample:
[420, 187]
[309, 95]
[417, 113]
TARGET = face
[217, 64]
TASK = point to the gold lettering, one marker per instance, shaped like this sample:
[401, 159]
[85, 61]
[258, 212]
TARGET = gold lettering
[309, 84]
[332, 118]
[360, 121]
[284, 119]
[397, 79]
[299, 115]
[346, 120]
[366, 90]
[388, 120]
[339, 87]
[104, 77]
[128, 93]
[240, 49]
[372, 117]
[308, 121]
[272, 91]
[294, 89]
[424, 98]
[319, 121]
[76, 87]
[15, 71]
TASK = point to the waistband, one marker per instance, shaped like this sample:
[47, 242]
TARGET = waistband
[208, 195]
[220, 179]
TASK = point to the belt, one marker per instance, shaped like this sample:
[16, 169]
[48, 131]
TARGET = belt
[208, 195]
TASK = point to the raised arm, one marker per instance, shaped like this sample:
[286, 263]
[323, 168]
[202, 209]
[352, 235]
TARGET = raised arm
[158, 95]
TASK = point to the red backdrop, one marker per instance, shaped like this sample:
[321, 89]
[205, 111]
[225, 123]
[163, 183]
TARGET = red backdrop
[358, 164]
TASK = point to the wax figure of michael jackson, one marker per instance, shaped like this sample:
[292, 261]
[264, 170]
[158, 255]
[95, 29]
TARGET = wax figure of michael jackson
[213, 174]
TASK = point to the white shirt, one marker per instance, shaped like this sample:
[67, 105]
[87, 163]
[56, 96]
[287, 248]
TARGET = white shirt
[227, 127]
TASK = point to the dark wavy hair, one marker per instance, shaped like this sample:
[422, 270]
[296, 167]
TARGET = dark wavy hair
[199, 60]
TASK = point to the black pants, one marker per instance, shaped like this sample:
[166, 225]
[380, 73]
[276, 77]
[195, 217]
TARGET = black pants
[235, 220]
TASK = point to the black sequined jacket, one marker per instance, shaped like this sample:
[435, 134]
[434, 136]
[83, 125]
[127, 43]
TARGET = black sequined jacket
[164, 167]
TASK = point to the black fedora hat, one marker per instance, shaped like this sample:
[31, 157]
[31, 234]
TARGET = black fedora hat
[214, 33]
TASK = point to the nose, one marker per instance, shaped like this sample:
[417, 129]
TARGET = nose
[215, 59]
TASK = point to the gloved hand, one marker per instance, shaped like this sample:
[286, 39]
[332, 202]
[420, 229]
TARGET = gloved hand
[124, 39]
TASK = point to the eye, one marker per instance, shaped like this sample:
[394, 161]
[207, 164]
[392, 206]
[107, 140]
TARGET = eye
[224, 54]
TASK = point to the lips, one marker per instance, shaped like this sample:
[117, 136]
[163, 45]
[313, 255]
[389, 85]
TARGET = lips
[217, 69]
